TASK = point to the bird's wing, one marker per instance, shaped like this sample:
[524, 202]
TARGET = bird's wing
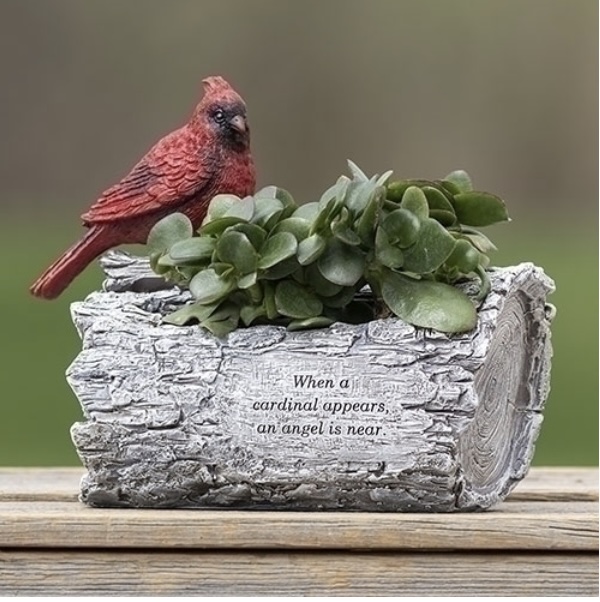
[170, 173]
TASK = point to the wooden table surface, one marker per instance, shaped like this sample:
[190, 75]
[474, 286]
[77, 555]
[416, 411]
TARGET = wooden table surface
[542, 541]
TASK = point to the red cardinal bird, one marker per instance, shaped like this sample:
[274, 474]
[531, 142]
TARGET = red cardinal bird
[182, 172]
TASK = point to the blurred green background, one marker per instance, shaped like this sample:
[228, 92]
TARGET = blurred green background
[507, 89]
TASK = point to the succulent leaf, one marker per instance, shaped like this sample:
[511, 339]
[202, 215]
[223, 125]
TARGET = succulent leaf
[308, 211]
[464, 257]
[235, 248]
[276, 249]
[431, 249]
[436, 199]
[219, 206]
[207, 286]
[256, 235]
[386, 253]
[267, 211]
[311, 248]
[479, 209]
[461, 180]
[194, 312]
[402, 227]
[295, 301]
[192, 250]
[414, 200]
[217, 226]
[297, 226]
[342, 264]
[357, 172]
[428, 304]
[168, 231]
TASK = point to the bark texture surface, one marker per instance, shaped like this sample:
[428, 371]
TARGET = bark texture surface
[377, 416]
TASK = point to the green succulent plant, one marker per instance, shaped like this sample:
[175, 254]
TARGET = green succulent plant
[265, 259]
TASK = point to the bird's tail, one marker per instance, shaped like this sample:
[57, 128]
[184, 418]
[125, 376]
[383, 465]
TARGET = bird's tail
[70, 264]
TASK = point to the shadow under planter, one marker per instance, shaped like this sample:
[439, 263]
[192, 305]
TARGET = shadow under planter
[380, 416]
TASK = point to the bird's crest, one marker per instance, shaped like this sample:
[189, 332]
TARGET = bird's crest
[217, 88]
[215, 85]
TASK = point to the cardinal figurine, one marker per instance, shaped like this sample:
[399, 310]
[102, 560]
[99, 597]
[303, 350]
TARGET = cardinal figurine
[182, 172]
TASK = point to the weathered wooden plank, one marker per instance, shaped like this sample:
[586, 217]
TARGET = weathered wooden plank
[513, 526]
[558, 484]
[296, 573]
[62, 484]
[40, 484]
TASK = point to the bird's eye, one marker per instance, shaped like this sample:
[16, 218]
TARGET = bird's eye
[219, 116]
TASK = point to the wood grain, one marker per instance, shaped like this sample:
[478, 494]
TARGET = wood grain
[558, 484]
[513, 526]
[542, 541]
[40, 484]
[296, 573]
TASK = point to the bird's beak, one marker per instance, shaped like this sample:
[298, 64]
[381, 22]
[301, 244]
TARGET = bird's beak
[238, 123]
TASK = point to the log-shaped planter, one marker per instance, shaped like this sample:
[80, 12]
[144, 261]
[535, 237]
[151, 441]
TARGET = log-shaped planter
[377, 416]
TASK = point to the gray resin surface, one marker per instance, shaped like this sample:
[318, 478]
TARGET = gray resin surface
[377, 416]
